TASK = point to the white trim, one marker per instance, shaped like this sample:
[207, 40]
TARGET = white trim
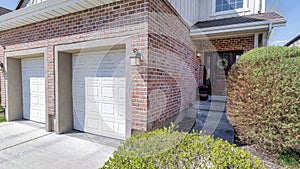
[238, 10]
[26, 53]
[46, 10]
[256, 37]
[263, 6]
[265, 39]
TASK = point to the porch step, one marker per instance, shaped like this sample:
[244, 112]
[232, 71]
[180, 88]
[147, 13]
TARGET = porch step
[212, 120]
[204, 114]
[218, 98]
[216, 125]
[210, 106]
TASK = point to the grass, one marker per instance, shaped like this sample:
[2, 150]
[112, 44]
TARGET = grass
[290, 159]
[2, 118]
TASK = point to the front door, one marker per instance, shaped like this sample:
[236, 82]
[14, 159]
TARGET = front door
[217, 67]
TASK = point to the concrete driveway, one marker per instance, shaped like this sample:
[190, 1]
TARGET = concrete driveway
[27, 145]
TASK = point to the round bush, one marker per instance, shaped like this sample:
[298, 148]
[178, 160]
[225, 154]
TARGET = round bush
[166, 148]
[264, 98]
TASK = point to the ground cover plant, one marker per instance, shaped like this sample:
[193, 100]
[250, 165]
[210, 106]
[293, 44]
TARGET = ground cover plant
[167, 148]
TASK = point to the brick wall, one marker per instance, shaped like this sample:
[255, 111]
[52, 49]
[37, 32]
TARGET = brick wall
[245, 43]
[167, 74]
[172, 79]
[128, 18]
[162, 86]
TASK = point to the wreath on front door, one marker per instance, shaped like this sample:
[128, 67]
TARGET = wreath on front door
[222, 63]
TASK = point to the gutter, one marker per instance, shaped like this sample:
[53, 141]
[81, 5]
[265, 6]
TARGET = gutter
[239, 27]
[40, 7]
[44, 10]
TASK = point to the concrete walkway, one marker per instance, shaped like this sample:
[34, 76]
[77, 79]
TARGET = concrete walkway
[26, 145]
[211, 118]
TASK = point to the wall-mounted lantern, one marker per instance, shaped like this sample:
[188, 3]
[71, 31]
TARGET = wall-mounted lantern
[199, 54]
[1, 67]
[135, 59]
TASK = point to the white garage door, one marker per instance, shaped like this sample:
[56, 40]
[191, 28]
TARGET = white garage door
[33, 82]
[99, 90]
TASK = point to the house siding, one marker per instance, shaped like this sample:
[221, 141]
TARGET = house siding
[27, 3]
[201, 10]
[127, 18]
[296, 43]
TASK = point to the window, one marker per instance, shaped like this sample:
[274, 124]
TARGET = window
[225, 5]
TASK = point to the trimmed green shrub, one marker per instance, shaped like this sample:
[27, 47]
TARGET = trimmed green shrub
[264, 98]
[167, 148]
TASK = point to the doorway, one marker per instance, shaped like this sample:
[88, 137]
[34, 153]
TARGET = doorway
[217, 67]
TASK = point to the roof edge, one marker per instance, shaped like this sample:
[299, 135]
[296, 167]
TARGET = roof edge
[293, 40]
[278, 22]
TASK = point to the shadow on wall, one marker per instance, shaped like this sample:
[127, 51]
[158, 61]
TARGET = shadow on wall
[164, 96]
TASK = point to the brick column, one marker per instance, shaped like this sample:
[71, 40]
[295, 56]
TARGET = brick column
[50, 88]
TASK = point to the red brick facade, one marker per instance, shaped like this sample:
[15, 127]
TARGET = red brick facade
[126, 18]
[161, 87]
[244, 43]
[173, 74]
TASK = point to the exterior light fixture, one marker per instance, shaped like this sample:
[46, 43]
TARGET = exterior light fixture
[135, 59]
[1, 67]
[199, 54]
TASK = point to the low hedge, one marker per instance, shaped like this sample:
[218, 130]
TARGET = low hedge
[264, 98]
[166, 148]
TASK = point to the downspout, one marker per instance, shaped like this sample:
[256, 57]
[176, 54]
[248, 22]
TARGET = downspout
[270, 29]
[267, 36]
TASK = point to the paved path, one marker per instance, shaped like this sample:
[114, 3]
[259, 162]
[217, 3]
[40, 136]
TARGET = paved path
[26, 145]
[211, 118]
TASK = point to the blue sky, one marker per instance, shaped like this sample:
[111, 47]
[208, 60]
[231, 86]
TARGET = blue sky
[287, 8]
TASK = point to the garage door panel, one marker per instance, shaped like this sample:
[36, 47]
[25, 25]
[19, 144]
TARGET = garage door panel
[108, 109]
[79, 120]
[79, 106]
[34, 101]
[93, 123]
[92, 81]
[107, 81]
[33, 85]
[108, 126]
[92, 91]
[93, 108]
[78, 93]
[113, 129]
[104, 90]
[107, 92]
[34, 113]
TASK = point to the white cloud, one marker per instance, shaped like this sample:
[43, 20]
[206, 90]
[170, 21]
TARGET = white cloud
[278, 43]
